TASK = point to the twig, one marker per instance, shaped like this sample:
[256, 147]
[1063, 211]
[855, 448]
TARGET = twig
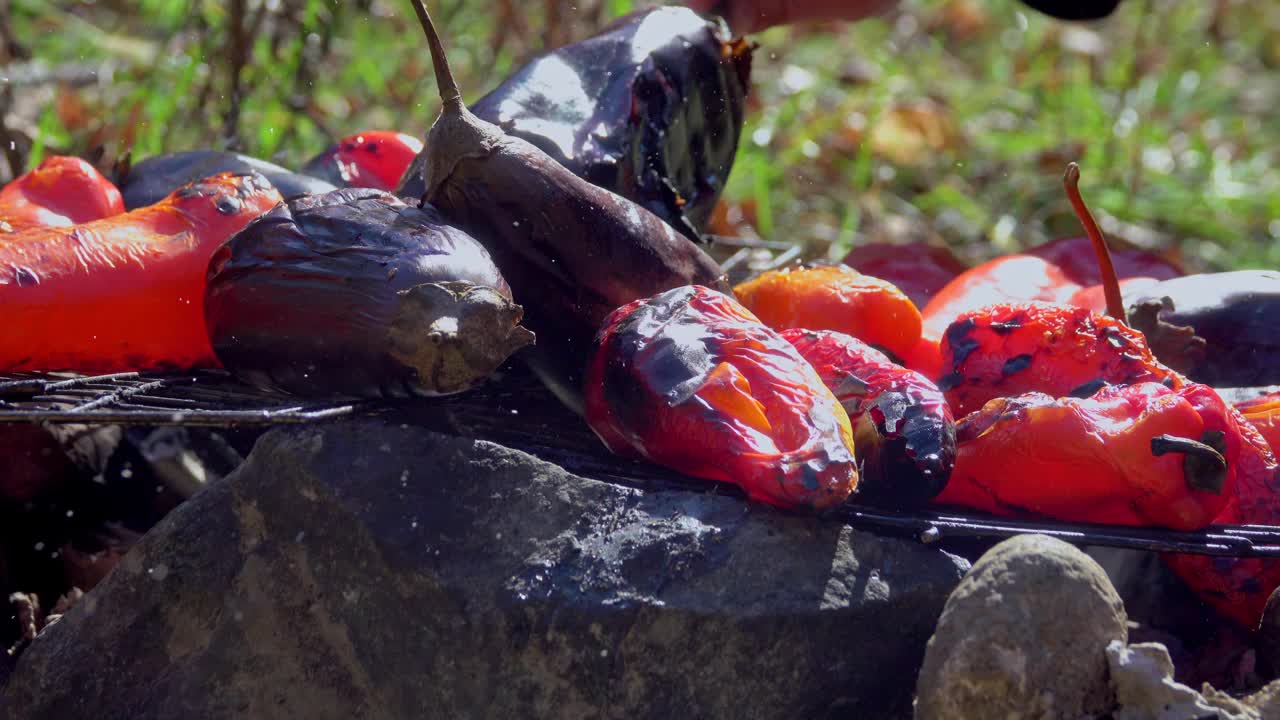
[239, 58]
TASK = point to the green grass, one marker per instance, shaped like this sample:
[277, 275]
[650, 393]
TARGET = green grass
[1170, 114]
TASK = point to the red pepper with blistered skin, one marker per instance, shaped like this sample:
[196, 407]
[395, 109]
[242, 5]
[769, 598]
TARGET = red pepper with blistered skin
[59, 192]
[692, 380]
[1139, 454]
[125, 292]
[903, 432]
[918, 269]
[1239, 587]
[373, 159]
[834, 297]
[1008, 350]
[1263, 413]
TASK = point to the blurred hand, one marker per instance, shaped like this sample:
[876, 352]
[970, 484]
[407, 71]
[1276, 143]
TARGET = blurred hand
[751, 16]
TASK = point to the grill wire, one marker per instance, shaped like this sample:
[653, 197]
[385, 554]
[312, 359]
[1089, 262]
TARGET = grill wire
[517, 412]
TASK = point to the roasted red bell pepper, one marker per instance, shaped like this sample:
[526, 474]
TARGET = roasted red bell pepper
[125, 292]
[1140, 454]
[903, 432]
[692, 380]
[918, 269]
[60, 191]
[374, 159]
[834, 297]
[1263, 413]
[1008, 350]
[1239, 587]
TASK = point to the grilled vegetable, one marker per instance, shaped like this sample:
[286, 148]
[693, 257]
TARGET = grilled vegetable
[834, 297]
[1142, 454]
[650, 108]
[355, 293]
[151, 180]
[1235, 315]
[375, 159]
[572, 252]
[691, 380]
[1009, 350]
[1263, 413]
[918, 269]
[903, 433]
[1238, 588]
[125, 292]
[60, 191]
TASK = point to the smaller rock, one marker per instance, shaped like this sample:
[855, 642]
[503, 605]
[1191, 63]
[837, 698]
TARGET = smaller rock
[1266, 701]
[1145, 689]
[1024, 635]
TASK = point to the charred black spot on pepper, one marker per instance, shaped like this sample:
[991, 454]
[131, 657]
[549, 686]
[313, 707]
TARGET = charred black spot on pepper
[961, 344]
[1088, 389]
[1007, 326]
[950, 381]
[1016, 364]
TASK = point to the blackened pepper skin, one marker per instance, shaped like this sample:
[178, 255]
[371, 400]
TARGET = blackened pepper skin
[690, 379]
[151, 180]
[650, 108]
[356, 293]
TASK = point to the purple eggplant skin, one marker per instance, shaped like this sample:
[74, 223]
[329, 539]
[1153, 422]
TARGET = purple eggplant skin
[1237, 314]
[149, 181]
[354, 293]
[650, 108]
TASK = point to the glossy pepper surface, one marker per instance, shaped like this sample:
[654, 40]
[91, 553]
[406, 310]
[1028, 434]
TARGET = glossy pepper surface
[650, 108]
[834, 297]
[125, 292]
[1008, 350]
[375, 159]
[1140, 454]
[691, 380]
[58, 192]
[1238, 588]
[903, 432]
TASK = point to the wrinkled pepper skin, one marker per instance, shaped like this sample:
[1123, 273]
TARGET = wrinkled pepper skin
[356, 293]
[903, 432]
[375, 159]
[1238, 588]
[918, 269]
[1238, 316]
[1008, 350]
[58, 192]
[834, 297]
[1263, 413]
[1094, 459]
[650, 108]
[125, 292]
[691, 380]
[153, 179]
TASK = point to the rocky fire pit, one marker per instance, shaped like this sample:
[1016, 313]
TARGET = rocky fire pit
[374, 568]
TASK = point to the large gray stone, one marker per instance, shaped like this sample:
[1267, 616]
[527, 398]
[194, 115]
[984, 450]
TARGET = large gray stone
[368, 569]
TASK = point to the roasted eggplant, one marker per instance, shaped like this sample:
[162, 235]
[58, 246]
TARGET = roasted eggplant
[356, 293]
[650, 108]
[573, 252]
[1235, 316]
[151, 180]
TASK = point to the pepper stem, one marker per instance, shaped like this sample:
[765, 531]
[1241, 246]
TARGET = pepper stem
[448, 87]
[1203, 466]
[1110, 283]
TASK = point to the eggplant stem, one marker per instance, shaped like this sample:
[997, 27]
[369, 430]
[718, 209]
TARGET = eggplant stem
[448, 87]
[1203, 466]
[1110, 283]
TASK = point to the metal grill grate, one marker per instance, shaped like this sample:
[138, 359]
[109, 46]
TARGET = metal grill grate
[517, 412]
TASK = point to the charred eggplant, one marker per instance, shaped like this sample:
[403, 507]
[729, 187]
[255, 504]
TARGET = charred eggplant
[1231, 318]
[572, 251]
[151, 180]
[650, 108]
[356, 293]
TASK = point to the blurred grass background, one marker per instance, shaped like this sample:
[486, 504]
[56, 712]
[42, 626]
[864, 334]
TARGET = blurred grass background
[949, 121]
